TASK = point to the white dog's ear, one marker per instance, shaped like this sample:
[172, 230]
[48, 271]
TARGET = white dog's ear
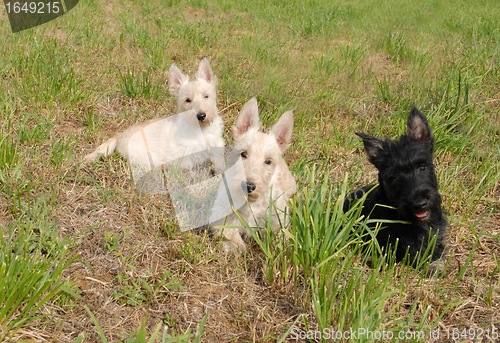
[282, 130]
[249, 117]
[205, 72]
[176, 79]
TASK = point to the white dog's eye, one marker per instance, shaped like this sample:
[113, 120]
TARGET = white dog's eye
[188, 100]
[244, 154]
[206, 96]
[267, 161]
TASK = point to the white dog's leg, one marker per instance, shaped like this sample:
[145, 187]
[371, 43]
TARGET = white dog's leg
[235, 242]
[218, 159]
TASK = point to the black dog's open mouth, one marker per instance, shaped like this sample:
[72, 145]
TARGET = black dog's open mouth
[422, 215]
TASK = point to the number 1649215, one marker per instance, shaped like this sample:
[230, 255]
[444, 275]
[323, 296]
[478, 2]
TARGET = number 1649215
[33, 7]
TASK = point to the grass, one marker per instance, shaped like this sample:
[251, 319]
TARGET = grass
[32, 262]
[109, 263]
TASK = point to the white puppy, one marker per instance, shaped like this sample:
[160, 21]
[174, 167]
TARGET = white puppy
[258, 173]
[160, 141]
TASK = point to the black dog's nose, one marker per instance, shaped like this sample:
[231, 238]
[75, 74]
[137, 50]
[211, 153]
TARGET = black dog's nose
[201, 116]
[421, 204]
[248, 187]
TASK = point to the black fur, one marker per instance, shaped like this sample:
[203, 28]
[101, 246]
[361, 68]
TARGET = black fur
[407, 182]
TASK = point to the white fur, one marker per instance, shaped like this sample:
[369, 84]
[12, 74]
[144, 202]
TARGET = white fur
[170, 138]
[272, 180]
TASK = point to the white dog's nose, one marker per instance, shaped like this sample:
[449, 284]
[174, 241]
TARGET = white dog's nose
[201, 116]
[248, 187]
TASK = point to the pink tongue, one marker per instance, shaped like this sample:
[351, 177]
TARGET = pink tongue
[421, 214]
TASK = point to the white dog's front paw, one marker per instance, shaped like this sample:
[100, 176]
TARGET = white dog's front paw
[90, 157]
[232, 247]
[218, 161]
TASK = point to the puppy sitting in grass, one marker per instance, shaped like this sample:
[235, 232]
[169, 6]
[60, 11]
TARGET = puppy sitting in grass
[190, 135]
[407, 193]
[258, 174]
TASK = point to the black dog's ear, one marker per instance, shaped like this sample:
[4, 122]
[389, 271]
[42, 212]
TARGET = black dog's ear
[373, 146]
[418, 128]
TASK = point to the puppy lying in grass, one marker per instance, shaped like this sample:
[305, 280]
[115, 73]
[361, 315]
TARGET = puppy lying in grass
[407, 192]
[190, 135]
[258, 174]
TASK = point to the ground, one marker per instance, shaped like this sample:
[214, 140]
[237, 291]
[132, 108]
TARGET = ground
[343, 67]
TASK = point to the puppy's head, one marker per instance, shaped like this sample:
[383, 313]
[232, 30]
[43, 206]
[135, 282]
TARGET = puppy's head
[406, 170]
[198, 94]
[260, 153]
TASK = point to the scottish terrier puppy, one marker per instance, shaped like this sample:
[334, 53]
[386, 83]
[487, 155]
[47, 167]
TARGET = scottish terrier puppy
[258, 175]
[196, 128]
[407, 193]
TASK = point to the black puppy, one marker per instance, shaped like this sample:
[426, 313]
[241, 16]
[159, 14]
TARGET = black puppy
[408, 184]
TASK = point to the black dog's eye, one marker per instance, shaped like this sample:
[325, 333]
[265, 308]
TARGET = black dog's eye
[244, 154]
[206, 96]
[188, 100]
[267, 161]
[422, 168]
